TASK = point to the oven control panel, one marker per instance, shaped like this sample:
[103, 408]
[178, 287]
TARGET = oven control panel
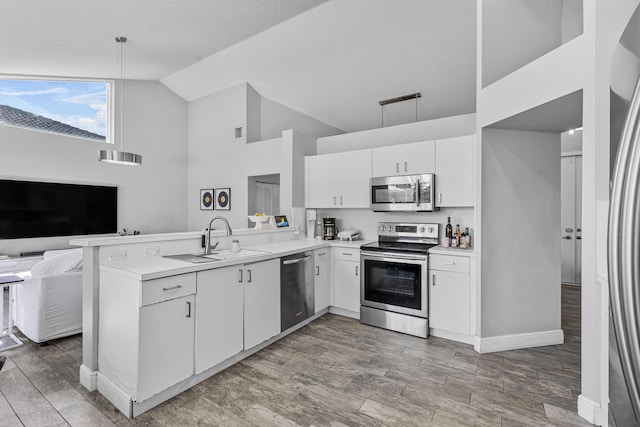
[395, 229]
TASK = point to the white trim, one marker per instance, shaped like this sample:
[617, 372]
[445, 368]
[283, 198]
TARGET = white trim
[342, 312]
[88, 378]
[516, 341]
[591, 411]
[115, 395]
[453, 336]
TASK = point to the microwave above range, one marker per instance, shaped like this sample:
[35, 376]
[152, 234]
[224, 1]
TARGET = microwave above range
[407, 193]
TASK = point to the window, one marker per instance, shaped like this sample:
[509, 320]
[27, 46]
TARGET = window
[79, 109]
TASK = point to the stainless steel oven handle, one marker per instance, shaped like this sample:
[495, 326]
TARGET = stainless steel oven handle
[393, 256]
[417, 196]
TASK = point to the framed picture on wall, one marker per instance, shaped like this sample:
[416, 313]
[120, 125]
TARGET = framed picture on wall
[223, 199]
[206, 200]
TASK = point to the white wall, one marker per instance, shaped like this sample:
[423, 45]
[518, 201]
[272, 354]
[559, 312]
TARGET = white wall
[571, 143]
[151, 197]
[520, 228]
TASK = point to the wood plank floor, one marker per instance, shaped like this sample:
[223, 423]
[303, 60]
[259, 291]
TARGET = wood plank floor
[333, 372]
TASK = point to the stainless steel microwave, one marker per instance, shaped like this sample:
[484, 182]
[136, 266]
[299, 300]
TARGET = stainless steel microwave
[403, 193]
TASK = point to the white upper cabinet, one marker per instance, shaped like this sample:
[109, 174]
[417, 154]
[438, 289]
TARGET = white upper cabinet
[339, 180]
[405, 159]
[455, 171]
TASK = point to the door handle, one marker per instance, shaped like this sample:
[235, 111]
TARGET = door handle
[357, 269]
[188, 308]
[397, 167]
[334, 200]
[567, 237]
[248, 276]
[340, 200]
[439, 197]
[579, 230]
[405, 167]
[317, 270]
[568, 230]
[433, 280]
[240, 281]
[172, 288]
[578, 237]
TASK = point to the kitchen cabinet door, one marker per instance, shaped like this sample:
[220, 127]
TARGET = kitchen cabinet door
[347, 285]
[261, 301]
[321, 259]
[322, 181]
[219, 317]
[354, 169]
[418, 158]
[449, 301]
[166, 342]
[386, 160]
[455, 172]
[405, 159]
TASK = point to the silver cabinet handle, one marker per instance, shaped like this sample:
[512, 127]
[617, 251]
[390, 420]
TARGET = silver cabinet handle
[188, 308]
[317, 270]
[172, 288]
[567, 237]
[346, 253]
[448, 263]
[579, 230]
[578, 237]
[357, 269]
[397, 167]
[340, 200]
[240, 281]
[569, 230]
[334, 200]
[405, 167]
[433, 280]
[439, 197]
[248, 276]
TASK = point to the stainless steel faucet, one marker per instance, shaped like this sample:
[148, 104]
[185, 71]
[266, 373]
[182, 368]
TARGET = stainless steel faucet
[207, 249]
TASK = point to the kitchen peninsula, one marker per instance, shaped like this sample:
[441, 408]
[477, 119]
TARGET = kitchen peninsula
[154, 326]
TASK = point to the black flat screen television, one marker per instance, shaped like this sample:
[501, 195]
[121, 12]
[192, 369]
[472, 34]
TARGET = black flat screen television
[46, 209]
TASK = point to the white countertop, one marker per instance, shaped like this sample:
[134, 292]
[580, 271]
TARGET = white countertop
[157, 267]
[452, 251]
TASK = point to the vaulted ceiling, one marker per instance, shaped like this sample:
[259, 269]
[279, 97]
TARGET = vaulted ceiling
[333, 60]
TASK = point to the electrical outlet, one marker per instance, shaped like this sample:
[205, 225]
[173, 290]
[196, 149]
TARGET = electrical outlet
[150, 252]
[118, 255]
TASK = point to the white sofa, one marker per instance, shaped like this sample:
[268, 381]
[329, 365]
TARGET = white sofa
[48, 304]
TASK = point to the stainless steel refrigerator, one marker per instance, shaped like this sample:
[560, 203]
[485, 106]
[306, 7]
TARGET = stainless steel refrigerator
[624, 232]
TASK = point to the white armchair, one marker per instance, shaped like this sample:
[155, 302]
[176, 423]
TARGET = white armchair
[48, 304]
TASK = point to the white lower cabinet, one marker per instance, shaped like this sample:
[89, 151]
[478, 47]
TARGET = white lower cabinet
[166, 345]
[346, 279]
[261, 301]
[321, 279]
[219, 317]
[449, 294]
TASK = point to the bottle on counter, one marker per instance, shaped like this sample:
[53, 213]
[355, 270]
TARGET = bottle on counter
[464, 242]
[458, 235]
[448, 233]
[466, 231]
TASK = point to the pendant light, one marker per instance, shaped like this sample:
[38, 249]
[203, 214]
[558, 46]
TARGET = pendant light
[121, 157]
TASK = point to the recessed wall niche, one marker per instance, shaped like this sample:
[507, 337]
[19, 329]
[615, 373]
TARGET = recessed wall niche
[264, 195]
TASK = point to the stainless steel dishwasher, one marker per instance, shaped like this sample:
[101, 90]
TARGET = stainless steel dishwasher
[297, 290]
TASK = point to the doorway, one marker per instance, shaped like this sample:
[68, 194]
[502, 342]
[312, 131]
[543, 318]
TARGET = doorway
[571, 218]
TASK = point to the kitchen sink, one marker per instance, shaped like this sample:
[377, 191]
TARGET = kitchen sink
[216, 256]
[195, 259]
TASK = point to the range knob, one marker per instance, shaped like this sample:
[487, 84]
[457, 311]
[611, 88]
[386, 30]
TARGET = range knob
[422, 229]
[383, 228]
[430, 229]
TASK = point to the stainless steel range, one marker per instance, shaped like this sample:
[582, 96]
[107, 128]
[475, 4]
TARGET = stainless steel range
[393, 284]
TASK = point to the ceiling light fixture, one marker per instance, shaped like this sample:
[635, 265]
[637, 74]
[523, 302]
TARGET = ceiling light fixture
[398, 99]
[113, 156]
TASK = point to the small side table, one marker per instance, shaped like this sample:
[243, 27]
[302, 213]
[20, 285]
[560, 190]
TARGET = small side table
[7, 339]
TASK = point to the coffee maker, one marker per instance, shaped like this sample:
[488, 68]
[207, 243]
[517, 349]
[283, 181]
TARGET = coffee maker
[330, 229]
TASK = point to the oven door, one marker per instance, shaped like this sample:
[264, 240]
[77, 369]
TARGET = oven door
[394, 282]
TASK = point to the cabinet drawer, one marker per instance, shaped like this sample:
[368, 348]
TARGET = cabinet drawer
[347, 254]
[167, 288]
[456, 264]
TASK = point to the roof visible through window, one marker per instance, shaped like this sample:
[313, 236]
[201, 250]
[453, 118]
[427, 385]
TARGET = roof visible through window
[78, 109]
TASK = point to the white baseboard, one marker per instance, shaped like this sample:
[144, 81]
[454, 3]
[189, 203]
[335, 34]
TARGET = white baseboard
[453, 336]
[517, 341]
[116, 395]
[591, 411]
[342, 312]
[88, 378]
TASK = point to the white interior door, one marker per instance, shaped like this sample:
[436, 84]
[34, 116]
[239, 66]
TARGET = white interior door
[571, 218]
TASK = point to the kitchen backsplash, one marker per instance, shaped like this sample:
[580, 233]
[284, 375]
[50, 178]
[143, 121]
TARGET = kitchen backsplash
[366, 221]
